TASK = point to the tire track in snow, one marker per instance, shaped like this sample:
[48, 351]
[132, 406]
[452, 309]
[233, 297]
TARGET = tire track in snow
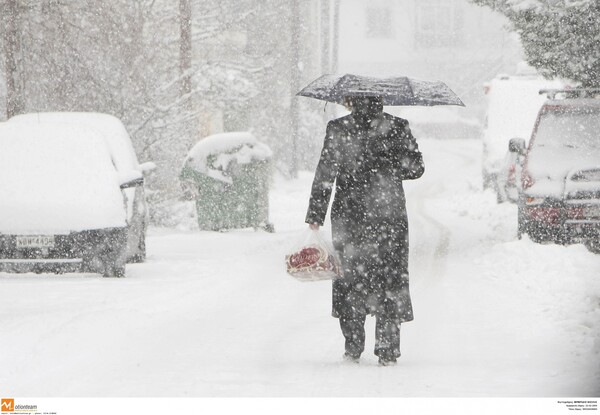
[435, 257]
[437, 262]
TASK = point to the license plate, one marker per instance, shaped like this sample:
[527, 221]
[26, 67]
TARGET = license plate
[35, 241]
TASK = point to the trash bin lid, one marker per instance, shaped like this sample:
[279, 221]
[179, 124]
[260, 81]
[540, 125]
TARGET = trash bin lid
[241, 147]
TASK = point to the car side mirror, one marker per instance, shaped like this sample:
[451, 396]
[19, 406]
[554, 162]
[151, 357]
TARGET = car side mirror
[517, 145]
[138, 181]
[130, 179]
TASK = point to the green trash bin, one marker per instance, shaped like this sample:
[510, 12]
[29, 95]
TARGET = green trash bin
[228, 175]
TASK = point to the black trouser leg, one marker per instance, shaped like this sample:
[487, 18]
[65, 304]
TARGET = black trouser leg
[387, 337]
[354, 332]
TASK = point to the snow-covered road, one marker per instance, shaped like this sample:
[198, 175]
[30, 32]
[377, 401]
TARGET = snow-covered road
[215, 314]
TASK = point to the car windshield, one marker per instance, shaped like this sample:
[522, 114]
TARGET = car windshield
[569, 129]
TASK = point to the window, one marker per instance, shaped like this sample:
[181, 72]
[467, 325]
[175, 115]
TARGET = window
[379, 22]
[439, 23]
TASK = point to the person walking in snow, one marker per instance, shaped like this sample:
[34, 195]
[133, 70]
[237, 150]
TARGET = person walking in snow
[366, 156]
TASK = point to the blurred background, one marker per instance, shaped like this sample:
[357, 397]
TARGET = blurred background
[178, 71]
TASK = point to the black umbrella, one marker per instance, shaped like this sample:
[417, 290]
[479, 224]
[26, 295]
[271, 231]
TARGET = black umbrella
[393, 91]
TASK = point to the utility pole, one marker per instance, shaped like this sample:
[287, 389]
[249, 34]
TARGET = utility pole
[325, 36]
[328, 50]
[14, 98]
[336, 36]
[295, 76]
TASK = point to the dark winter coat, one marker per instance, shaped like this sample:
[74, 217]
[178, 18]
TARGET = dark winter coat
[366, 162]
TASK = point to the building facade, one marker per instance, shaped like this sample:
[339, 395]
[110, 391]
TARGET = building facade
[454, 41]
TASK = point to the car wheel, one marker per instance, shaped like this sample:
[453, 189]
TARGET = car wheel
[113, 266]
[113, 270]
[593, 245]
[106, 265]
[140, 255]
[92, 263]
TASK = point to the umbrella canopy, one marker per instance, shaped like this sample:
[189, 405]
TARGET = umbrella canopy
[393, 91]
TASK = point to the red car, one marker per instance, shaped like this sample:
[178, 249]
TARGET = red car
[559, 190]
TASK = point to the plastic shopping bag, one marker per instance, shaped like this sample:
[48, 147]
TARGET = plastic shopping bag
[313, 258]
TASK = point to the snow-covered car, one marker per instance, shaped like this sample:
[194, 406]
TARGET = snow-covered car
[559, 198]
[513, 103]
[124, 159]
[62, 201]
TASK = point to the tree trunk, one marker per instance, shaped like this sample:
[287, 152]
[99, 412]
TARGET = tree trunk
[325, 36]
[294, 84]
[336, 36]
[14, 98]
[185, 46]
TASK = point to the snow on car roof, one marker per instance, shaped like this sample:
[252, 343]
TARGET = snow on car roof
[242, 147]
[53, 182]
[111, 128]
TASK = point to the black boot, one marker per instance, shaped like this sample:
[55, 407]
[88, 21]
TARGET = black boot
[354, 333]
[387, 340]
[387, 361]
